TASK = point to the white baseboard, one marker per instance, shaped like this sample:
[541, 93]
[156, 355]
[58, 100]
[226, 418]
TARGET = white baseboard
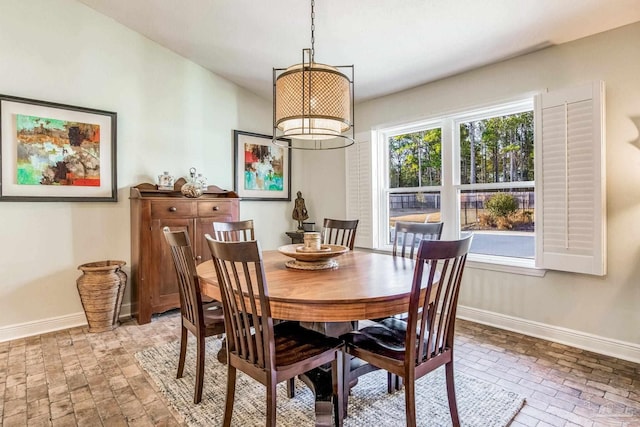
[597, 344]
[37, 327]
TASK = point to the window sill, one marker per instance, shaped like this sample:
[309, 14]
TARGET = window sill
[521, 266]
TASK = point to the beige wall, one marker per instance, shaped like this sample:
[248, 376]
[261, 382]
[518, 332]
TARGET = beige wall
[598, 313]
[172, 114]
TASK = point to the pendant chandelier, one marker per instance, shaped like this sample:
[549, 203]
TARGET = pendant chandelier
[313, 103]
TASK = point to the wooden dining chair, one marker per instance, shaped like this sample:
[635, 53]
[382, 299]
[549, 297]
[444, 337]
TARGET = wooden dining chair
[234, 231]
[202, 320]
[339, 232]
[414, 347]
[408, 235]
[266, 352]
[406, 239]
[336, 232]
[241, 231]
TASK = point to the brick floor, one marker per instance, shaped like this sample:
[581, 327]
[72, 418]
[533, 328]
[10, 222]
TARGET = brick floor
[73, 377]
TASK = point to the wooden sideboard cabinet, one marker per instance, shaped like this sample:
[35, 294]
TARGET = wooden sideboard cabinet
[154, 286]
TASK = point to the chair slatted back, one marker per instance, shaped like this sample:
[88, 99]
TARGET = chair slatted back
[440, 264]
[339, 232]
[234, 231]
[188, 282]
[409, 235]
[241, 278]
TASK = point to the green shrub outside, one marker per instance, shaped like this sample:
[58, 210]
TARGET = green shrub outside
[501, 205]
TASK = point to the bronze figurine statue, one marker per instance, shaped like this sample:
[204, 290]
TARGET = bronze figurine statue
[300, 211]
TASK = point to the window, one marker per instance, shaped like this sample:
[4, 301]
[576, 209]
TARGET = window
[527, 178]
[496, 181]
[490, 191]
[414, 178]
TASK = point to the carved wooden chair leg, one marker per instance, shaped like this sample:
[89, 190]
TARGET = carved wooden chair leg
[271, 403]
[339, 376]
[291, 388]
[451, 394]
[410, 402]
[398, 383]
[391, 382]
[222, 354]
[200, 353]
[231, 391]
[183, 351]
[346, 384]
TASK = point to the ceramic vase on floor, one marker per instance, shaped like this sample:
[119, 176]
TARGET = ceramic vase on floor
[101, 288]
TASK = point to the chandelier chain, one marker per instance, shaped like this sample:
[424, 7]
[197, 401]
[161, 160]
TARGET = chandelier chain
[313, 27]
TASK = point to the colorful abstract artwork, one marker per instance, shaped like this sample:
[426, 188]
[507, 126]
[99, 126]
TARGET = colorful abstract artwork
[262, 169]
[51, 152]
[57, 152]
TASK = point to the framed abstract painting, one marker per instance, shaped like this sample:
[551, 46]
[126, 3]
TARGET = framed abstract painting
[56, 153]
[262, 170]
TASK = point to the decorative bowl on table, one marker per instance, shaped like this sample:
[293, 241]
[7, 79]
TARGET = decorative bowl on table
[305, 259]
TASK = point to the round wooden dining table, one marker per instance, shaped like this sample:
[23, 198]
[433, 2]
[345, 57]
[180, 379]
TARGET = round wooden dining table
[366, 285]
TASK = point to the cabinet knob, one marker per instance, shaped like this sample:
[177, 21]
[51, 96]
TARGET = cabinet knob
[198, 258]
[173, 209]
[216, 208]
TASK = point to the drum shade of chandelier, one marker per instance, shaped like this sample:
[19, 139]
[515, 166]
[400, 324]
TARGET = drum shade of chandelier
[313, 103]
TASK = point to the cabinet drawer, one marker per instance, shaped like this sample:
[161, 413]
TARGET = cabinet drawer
[172, 209]
[215, 208]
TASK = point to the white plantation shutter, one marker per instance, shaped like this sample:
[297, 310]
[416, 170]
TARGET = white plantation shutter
[359, 187]
[570, 182]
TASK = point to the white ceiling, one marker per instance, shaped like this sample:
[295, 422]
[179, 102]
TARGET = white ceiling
[393, 44]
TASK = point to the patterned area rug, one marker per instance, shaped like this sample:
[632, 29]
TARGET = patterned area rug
[480, 404]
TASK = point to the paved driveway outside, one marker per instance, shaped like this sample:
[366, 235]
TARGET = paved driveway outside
[504, 244]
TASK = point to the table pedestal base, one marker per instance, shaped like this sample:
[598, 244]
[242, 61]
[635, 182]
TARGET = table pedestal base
[319, 381]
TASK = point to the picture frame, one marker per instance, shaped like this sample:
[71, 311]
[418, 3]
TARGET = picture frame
[261, 169]
[52, 152]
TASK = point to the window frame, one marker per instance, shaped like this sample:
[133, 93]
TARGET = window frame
[451, 186]
[383, 188]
